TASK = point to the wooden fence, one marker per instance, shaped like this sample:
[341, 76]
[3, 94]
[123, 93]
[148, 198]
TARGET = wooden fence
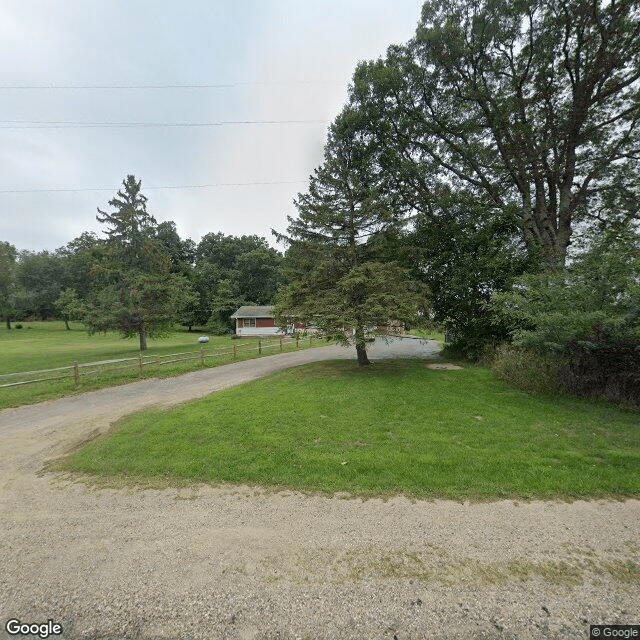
[77, 370]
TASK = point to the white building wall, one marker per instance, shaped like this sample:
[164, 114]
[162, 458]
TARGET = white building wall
[258, 331]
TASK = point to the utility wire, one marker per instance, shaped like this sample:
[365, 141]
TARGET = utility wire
[31, 124]
[189, 186]
[126, 87]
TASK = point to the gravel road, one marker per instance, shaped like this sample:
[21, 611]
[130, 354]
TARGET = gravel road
[237, 562]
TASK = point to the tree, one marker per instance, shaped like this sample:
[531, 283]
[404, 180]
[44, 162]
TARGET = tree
[78, 258]
[534, 104]
[586, 316]
[7, 267]
[69, 307]
[181, 252]
[39, 279]
[595, 300]
[135, 291]
[465, 251]
[231, 272]
[336, 282]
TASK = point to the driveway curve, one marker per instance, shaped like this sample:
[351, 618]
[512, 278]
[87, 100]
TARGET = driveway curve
[243, 563]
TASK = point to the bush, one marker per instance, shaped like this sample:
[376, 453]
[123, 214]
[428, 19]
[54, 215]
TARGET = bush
[18, 326]
[523, 368]
[606, 370]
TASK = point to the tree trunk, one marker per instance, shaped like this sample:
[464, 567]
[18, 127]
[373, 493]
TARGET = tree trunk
[143, 338]
[361, 347]
[8, 319]
[66, 325]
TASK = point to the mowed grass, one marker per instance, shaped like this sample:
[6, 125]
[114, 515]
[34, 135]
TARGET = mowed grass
[394, 428]
[47, 345]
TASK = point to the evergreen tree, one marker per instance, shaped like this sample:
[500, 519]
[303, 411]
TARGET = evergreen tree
[135, 291]
[338, 282]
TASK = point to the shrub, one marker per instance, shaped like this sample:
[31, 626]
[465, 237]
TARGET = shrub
[18, 326]
[606, 370]
[586, 316]
[523, 368]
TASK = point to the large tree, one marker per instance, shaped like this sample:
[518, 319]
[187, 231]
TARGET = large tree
[7, 267]
[135, 291]
[338, 283]
[535, 104]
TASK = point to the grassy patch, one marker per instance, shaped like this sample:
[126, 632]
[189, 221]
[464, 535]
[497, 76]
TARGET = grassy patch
[433, 564]
[47, 345]
[395, 427]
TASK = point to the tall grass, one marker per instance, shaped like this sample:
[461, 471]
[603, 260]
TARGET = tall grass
[523, 369]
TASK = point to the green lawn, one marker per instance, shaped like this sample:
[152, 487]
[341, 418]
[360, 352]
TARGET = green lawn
[395, 427]
[47, 345]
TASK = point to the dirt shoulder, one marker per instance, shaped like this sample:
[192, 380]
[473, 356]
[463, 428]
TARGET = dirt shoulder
[239, 562]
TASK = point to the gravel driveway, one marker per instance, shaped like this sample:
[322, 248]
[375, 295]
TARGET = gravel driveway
[242, 563]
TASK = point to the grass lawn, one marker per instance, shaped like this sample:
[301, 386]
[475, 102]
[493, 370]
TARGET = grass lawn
[47, 345]
[427, 333]
[395, 427]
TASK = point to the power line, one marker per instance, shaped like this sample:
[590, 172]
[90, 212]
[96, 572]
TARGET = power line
[127, 87]
[189, 186]
[33, 124]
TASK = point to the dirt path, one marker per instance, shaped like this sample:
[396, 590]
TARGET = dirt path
[237, 562]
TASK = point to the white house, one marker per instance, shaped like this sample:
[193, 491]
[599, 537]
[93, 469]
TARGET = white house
[255, 321]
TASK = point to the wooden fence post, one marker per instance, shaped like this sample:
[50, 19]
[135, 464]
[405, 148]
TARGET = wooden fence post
[201, 357]
[259, 345]
[234, 351]
[280, 344]
[297, 341]
[76, 373]
[141, 364]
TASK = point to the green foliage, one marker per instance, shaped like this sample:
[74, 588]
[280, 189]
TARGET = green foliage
[464, 251]
[39, 278]
[338, 281]
[230, 272]
[69, 307]
[134, 291]
[595, 299]
[375, 296]
[78, 258]
[587, 315]
[534, 104]
[523, 369]
[182, 253]
[7, 266]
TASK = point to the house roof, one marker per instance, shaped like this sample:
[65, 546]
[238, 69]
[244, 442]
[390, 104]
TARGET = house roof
[254, 312]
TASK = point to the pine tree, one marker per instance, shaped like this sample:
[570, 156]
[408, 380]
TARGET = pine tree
[338, 280]
[135, 291]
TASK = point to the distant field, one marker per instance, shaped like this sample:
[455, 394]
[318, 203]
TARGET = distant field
[43, 345]
[392, 428]
[47, 345]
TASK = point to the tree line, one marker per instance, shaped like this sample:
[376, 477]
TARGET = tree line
[141, 278]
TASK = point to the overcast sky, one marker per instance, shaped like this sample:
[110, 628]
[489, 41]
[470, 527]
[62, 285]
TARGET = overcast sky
[286, 60]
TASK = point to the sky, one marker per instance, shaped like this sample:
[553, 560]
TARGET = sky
[284, 67]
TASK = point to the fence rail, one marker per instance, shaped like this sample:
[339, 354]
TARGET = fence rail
[76, 370]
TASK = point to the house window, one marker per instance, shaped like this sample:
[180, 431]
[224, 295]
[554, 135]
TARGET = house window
[248, 322]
